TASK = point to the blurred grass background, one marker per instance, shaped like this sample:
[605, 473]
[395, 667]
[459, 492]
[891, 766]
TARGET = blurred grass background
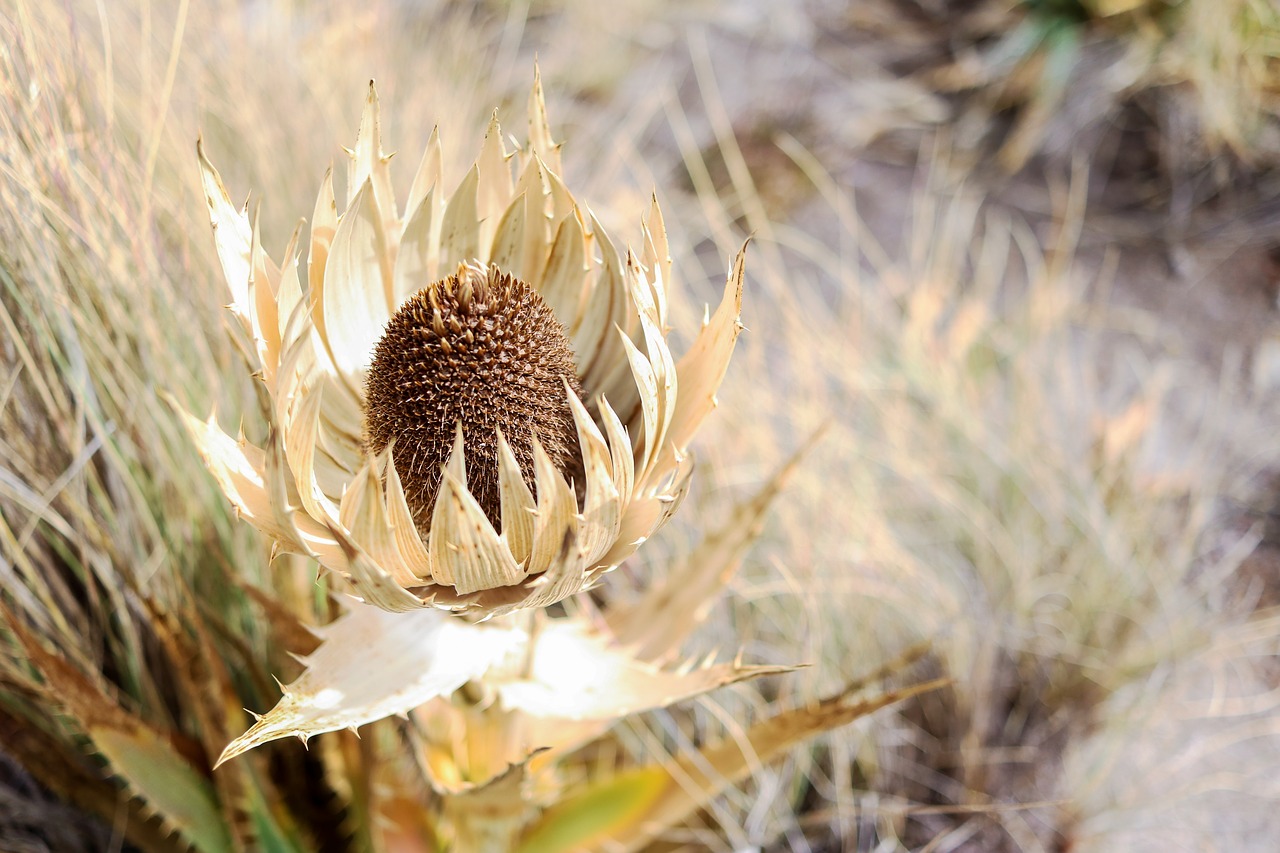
[1022, 256]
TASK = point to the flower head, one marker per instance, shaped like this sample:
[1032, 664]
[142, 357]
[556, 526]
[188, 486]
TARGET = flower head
[473, 405]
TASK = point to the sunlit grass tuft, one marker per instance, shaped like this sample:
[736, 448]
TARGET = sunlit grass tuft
[1043, 77]
[1015, 472]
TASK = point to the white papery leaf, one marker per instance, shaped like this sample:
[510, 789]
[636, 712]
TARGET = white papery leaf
[577, 673]
[372, 664]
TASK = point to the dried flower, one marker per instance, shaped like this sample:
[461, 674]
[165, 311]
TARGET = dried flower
[473, 406]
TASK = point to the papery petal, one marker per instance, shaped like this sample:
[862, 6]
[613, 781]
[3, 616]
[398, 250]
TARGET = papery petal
[646, 381]
[566, 266]
[557, 515]
[666, 398]
[564, 577]
[357, 288]
[604, 307]
[442, 569]
[460, 230]
[600, 511]
[507, 251]
[240, 471]
[370, 582]
[656, 259]
[324, 225]
[363, 514]
[372, 664]
[369, 163]
[264, 325]
[305, 366]
[339, 438]
[529, 257]
[540, 128]
[412, 549]
[310, 537]
[289, 296]
[232, 236]
[429, 176]
[493, 187]
[463, 540]
[619, 386]
[616, 273]
[282, 494]
[516, 501]
[300, 507]
[419, 256]
[647, 514]
[702, 368]
[562, 203]
[640, 290]
[301, 427]
[620, 452]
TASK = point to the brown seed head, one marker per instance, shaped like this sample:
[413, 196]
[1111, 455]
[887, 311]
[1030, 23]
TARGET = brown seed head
[481, 348]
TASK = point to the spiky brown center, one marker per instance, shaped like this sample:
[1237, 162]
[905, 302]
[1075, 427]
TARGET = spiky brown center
[482, 349]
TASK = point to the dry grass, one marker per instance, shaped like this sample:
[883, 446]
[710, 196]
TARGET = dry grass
[1011, 480]
[1037, 485]
[1181, 95]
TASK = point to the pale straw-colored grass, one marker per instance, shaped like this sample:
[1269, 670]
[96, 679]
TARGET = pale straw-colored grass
[1031, 481]
[1011, 472]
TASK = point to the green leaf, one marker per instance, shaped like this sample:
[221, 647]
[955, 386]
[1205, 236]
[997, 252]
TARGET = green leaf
[603, 811]
[169, 785]
[142, 757]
